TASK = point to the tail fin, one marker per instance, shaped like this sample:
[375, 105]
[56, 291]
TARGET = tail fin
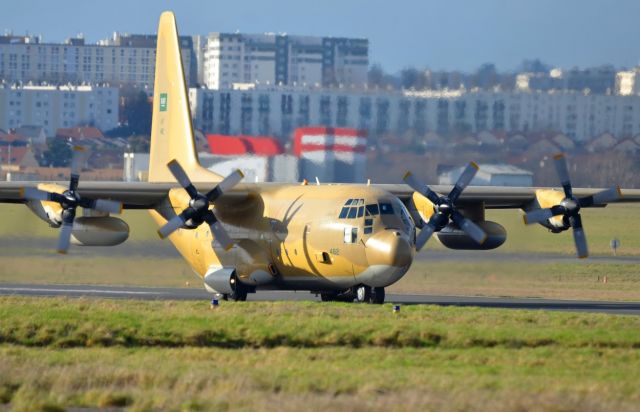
[171, 128]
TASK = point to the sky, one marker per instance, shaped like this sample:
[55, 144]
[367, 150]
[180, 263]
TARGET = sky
[441, 35]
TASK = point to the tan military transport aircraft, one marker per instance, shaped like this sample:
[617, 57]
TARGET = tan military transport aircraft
[343, 241]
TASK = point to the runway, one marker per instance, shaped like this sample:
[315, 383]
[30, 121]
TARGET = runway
[148, 293]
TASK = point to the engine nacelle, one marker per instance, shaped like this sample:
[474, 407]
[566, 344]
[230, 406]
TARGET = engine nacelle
[99, 231]
[454, 238]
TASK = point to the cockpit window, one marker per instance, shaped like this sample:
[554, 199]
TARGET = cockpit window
[372, 210]
[386, 209]
[352, 208]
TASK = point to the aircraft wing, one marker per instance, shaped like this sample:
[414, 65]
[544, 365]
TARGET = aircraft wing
[501, 197]
[133, 195]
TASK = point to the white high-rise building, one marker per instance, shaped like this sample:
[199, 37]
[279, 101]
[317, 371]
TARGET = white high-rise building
[277, 111]
[280, 59]
[58, 107]
[121, 59]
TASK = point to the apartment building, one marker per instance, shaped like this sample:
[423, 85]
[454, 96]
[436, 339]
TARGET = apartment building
[281, 59]
[121, 59]
[58, 107]
[277, 111]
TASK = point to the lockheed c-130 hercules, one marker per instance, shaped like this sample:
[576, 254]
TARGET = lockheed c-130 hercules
[342, 241]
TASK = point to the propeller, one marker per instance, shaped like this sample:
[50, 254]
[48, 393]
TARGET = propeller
[569, 207]
[445, 209]
[198, 210]
[70, 199]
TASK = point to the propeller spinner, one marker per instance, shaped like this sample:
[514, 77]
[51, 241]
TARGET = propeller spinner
[198, 210]
[70, 199]
[569, 207]
[445, 209]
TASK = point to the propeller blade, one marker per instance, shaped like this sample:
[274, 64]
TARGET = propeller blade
[579, 237]
[537, 216]
[65, 237]
[474, 231]
[563, 173]
[181, 176]
[226, 184]
[421, 188]
[172, 225]
[107, 206]
[463, 181]
[425, 234]
[31, 193]
[76, 166]
[606, 196]
[218, 231]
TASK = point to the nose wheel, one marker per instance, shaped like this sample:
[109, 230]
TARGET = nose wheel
[239, 293]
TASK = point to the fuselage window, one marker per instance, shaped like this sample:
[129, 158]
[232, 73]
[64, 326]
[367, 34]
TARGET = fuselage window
[372, 210]
[361, 211]
[386, 209]
[348, 202]
[350, 234]
[344, 212]
[353, 212]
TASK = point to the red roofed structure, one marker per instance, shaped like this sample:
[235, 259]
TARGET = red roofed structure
[225, 145]
[80, 133]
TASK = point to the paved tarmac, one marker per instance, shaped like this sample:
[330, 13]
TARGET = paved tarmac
[148, 293]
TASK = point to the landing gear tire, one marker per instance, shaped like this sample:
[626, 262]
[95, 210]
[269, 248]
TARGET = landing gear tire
[377, 296]
[239, 291]
[363, 294]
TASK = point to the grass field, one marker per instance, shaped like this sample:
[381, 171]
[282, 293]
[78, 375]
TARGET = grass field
[58, 353]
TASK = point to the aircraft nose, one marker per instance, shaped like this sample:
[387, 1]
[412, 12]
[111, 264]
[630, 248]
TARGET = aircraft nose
[390, 248]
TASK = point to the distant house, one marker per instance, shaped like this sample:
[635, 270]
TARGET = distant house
[433, 140]
[517, 143]
[16, 158]
[487, 139]
[541, 148]
[602, 143]
[35, 134]
[79, 133]
[565, 143]
[627, 146]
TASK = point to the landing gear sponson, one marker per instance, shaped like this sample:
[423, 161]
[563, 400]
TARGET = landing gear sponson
[361, 294]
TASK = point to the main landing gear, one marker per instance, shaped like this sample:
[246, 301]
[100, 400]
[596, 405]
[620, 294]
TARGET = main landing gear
[362, 294]
[367, 294]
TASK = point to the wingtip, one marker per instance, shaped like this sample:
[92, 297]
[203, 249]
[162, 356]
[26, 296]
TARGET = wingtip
[240, 173]
[558, 156]
[160, 234]
[79, 148]
[524, 219]
[474, 165]
[619, 191]
[21, 192]
[61, 252]
[121, 208]
[228, 247]
[172, 161]
[406, 176]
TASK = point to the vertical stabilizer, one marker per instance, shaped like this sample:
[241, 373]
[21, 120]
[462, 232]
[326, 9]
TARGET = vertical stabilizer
[171, 128]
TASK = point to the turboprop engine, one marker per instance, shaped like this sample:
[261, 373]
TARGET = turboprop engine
[453, 237]
[99, 231]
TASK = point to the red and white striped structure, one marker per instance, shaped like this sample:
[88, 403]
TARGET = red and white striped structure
[332, 154]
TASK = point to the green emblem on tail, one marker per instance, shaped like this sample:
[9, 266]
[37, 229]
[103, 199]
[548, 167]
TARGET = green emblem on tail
[163, 102]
